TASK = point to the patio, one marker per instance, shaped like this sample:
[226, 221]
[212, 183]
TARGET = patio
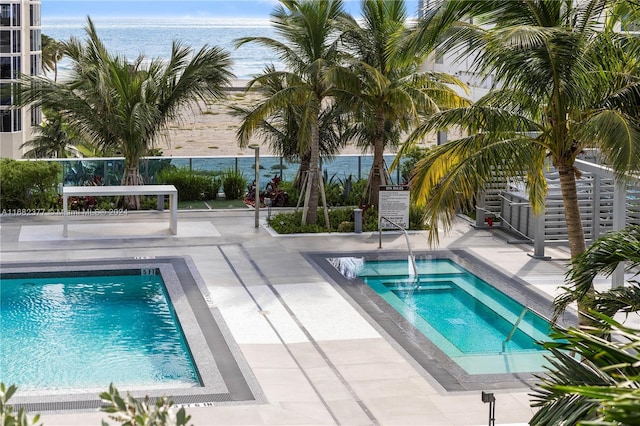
[289, 322]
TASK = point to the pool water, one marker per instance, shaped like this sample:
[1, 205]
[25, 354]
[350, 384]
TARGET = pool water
[78, 333]
[468, 319]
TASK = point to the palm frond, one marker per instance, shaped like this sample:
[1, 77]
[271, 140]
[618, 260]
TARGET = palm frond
[586, 367]
[451, 175]
[603, 257]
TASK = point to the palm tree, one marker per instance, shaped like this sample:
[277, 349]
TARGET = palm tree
[562, 84]
[281, 129]
[603, 257]
[54, 139]
[308, 45]
[602, 381]
[386, 90]
[52, 53]
[51, 141]
[593, 377]
[116, 104]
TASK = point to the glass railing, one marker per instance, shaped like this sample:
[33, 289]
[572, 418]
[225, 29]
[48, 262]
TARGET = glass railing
[109, 171]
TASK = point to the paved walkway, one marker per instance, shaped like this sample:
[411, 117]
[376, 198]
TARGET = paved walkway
[287, 319]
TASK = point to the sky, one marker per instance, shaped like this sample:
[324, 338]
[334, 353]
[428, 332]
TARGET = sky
[175, 8]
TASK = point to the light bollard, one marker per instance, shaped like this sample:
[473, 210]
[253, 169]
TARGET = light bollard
[256, 200]
[357, 221]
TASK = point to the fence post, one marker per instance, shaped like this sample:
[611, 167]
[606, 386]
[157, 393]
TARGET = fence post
[597, 205]
[619, 219]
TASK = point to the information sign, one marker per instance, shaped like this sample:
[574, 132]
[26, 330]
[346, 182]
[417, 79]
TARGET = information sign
[394, 206]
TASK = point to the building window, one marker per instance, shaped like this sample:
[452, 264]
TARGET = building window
[36, 116]
[5, 41]
[10, 41]
[36, 40]
[34, 15]
[10, 120]
[5, 68]
[17, 68]
[16, 46]
[5, 94]
[5, 15]
[9, 15]
[9, 67]
[36, 64]
[5, 120]
[17, 120]
[16, 21]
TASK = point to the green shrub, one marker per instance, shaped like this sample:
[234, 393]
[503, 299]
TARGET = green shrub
[412, 156]
[346, 227]
[7, 414]
[357, 193]
[344, 191]
[416, 218]
[127, 411]
[233, 184]
[150, 202]
[191, 186]
[28, 184]
[130, 411]
[292, 192]
[154, 168]
[339, 192]
[370, 219]
[290, 223]
[341, 220]
[216, 184]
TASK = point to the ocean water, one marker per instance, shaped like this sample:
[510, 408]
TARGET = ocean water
[153, 37]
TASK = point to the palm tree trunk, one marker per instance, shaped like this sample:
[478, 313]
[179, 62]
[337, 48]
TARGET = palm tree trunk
[575, 231]
[569, 190]
[132, 177]
[310, 215]
[302, 170]
[377, 176]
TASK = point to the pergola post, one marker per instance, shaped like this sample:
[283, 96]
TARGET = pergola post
[480, 209]
[539, 236]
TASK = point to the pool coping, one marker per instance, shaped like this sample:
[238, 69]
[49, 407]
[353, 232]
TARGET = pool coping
[410, 341]
[222, 370]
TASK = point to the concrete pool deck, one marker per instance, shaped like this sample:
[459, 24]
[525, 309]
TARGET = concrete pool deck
[288, 319]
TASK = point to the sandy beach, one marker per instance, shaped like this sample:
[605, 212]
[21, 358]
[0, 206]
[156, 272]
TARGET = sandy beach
[210, 130]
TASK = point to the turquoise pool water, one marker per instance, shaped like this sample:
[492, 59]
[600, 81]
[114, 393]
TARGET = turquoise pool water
[468, 319]
[78, 333]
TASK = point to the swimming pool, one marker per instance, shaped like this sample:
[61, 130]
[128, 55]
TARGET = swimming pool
[457, 321]
[81, 331]
[477, 326]
[211, 366]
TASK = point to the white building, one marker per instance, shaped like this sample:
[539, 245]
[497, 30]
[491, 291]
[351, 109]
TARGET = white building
[446, 62]
[20, 52]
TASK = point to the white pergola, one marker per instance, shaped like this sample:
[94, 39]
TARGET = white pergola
[606, 204]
